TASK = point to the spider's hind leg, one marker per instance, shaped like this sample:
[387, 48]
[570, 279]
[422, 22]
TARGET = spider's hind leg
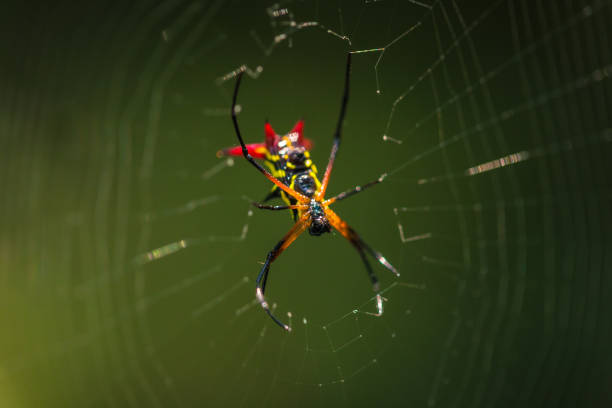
[274, 193]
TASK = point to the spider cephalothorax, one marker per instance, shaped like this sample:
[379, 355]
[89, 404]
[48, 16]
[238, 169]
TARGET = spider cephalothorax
[295, 180]
[319, 224]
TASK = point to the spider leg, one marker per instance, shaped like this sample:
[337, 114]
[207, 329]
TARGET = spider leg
[283, 244]
[262, 278]
[350, 234]
[280, 207]
[274, 193]
[337, 133]
[354, 190]
[245, 151]
[371, 274]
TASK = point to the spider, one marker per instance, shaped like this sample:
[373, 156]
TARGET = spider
[295, 180]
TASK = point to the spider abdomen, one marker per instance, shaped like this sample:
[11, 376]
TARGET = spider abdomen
[305, 184]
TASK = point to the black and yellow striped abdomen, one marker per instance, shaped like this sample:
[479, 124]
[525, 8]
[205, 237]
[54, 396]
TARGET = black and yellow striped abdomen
[292, 165]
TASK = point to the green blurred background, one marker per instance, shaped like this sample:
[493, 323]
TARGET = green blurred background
[111, 114]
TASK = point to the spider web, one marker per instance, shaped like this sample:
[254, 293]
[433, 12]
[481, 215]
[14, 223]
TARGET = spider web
[129, 251]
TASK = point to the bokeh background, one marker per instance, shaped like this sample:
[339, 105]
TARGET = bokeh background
[128, 251]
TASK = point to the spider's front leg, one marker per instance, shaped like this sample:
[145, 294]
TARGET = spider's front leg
[355, 190]
[338, 132]
[245, 151]
[279, 207]
[262, 278]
